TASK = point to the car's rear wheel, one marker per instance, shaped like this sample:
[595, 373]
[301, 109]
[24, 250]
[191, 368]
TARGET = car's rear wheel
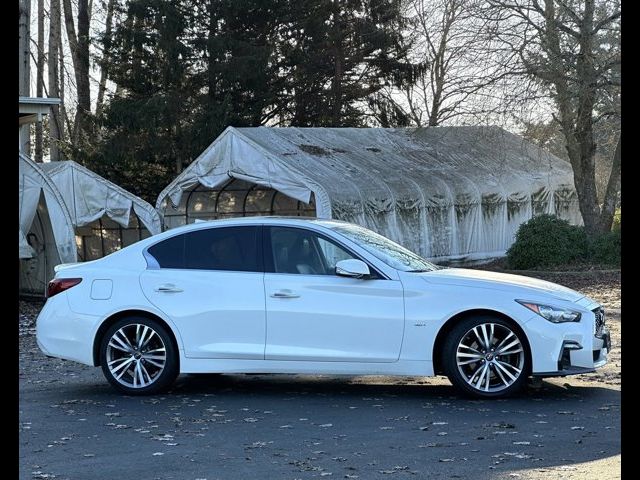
[486, 357]
[138, 356]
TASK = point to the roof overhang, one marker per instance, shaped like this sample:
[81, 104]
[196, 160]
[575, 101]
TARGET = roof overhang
[31, 109]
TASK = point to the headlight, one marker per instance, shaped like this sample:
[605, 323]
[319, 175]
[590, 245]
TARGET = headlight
[553, 314]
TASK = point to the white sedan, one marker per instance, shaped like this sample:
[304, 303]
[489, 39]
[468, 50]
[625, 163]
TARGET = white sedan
[309, 296]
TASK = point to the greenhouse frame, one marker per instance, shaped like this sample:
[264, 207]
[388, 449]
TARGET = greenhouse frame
[68, 214]
[447, 193]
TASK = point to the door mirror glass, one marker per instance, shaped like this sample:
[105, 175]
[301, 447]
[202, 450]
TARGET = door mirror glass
[352, 268]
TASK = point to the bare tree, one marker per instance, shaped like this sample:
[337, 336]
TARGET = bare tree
[65, 123]
[25, 62]
[106, 56]
[55, 124]
[460, 65]
[571, 48]
[79, 45]
[40, 76]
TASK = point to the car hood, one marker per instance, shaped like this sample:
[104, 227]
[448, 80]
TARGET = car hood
[518, 284]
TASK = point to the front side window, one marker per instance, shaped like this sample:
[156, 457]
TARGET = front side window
[299, 251]
[389, 252]
[223, 248]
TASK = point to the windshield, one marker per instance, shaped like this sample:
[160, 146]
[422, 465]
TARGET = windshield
[389, 252]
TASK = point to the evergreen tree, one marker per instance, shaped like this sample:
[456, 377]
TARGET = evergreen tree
[340, 53]
[242, 82]
[186, 69]
[144, 140]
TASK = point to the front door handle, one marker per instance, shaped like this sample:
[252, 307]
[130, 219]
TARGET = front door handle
[168, 288]
[284, 294]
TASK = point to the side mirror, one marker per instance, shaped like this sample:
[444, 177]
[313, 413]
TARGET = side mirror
[352, 268]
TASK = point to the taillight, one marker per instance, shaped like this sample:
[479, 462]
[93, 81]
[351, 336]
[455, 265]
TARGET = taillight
[58, 285]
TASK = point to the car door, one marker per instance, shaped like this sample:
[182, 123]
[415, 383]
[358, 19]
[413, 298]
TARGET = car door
[210, 283]
[315, 315]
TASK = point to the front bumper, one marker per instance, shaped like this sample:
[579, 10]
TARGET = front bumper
[583, 348]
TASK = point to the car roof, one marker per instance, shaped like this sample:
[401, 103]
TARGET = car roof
[203, 224]
[255, 220]
[258, 220]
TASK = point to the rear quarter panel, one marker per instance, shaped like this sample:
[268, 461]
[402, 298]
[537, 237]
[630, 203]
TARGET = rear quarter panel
[123, 273]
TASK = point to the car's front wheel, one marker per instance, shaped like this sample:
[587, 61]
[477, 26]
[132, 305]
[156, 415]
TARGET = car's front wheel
[486, 357]
[138, 356]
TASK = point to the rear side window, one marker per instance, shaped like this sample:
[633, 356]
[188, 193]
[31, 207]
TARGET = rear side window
[227, 248]
[169, 253]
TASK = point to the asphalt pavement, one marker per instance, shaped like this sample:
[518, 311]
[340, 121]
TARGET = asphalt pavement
[74, 426]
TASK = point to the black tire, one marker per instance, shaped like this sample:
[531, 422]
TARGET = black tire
[159, 378]
[499, 383]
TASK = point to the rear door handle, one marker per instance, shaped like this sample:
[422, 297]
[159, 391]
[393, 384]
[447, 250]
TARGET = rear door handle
[168, 288]
[284, 294]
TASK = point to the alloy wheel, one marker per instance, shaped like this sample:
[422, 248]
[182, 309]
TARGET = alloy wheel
[136, 355]
[490, 357]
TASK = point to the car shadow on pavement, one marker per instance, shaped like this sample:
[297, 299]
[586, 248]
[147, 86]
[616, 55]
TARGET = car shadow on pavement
[422, 388]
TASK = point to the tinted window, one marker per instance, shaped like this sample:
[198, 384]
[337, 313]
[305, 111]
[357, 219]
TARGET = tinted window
[228, 248]
[389, 252]
[169, 253]
[295, 250]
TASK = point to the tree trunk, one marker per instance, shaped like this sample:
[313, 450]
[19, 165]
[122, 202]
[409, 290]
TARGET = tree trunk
[575, 105]
[439, 67]
[106, 57]
[24, 66]
[584, 122]
[40, 76]
[434, 115]
[65, 125]
[82, 78]
[211, 34]
[336, 90]
[55, 125]
[24, 47]
[336, 82]
[611, 194]
[585, 183]
[79, 46]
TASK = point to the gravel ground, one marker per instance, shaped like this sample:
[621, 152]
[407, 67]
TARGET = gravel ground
[73, 426]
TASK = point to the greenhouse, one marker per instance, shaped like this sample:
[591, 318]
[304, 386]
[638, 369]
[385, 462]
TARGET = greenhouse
[448, 193]
[68, 214]
[46, 236]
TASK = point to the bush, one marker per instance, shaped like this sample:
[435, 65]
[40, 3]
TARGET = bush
[605, 249]
[546, 241]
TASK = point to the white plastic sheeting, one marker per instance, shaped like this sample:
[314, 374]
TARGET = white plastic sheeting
[444, 192]
[24, 249]
[88, 197]
[56, 199]
[33, 183]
